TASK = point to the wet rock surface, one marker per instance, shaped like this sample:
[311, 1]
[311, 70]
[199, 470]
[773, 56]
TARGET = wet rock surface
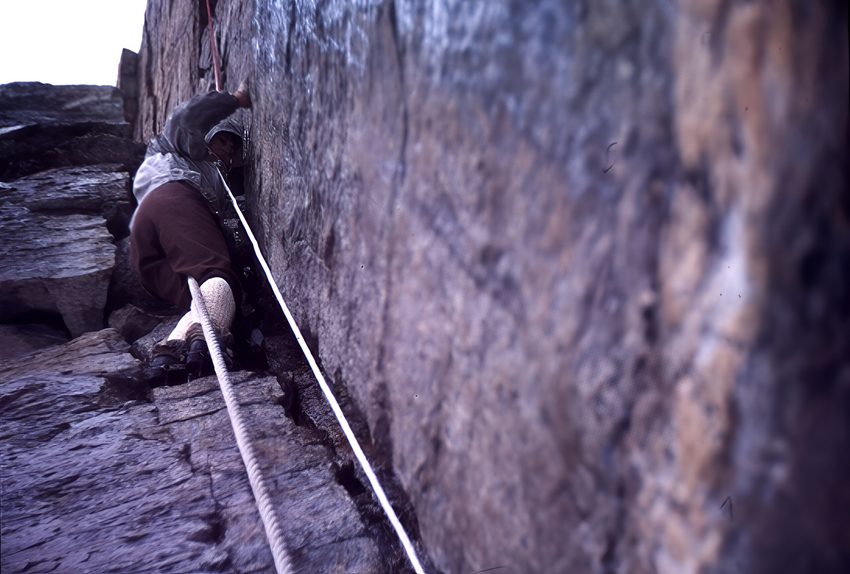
[96, 476]
[583, 266]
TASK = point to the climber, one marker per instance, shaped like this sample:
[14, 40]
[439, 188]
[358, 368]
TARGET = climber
[175, 231]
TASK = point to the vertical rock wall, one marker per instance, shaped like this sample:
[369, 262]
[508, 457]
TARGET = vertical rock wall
[583, 265]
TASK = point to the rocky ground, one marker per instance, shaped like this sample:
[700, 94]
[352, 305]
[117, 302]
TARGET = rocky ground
[108, 466]
[101, 474]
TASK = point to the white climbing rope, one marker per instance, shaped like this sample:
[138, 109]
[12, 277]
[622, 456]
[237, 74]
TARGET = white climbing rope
[249, 457]
[349, 434]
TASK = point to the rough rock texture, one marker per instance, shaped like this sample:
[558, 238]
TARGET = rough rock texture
[59, 265]
[26, 103]
[91, 190]
[98, 470]
[128, 84]
[42, 126]
[64, 203]
[178, 37]
[20, 340]
[583, 265]
[96, 477]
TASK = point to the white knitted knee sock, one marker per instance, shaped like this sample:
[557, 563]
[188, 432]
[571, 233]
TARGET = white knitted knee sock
[183, 325]
[221, 306]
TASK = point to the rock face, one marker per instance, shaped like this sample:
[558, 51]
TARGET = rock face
[63, 203]
[59, 226]
[106, 463]
[43, 127]
[584, 265]
[128, 83]
[61, 266]
[577, 273]
[101, 479]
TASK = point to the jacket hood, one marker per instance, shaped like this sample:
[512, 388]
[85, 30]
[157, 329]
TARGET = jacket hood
[230, 124]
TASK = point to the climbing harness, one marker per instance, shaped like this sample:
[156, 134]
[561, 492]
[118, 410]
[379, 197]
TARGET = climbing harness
[258, 486]
[249, 456]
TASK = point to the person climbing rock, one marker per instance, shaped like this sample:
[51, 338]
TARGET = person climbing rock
[175, 231]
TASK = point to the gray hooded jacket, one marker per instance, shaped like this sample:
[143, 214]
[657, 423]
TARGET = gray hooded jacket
[178, 154]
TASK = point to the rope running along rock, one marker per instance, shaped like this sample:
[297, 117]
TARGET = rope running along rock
[249, 456]
[343, 422]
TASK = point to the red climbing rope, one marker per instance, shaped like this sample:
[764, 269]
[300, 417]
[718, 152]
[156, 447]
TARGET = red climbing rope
[214, 48]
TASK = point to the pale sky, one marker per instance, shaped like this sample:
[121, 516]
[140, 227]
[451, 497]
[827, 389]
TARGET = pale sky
[67, 41]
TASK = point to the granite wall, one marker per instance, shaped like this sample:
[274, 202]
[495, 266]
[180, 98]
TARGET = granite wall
[583, 265]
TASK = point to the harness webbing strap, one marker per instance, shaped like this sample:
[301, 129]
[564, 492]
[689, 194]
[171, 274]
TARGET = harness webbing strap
[249, 456]
[349, 434]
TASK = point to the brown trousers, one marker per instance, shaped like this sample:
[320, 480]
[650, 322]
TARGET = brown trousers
[176, 234]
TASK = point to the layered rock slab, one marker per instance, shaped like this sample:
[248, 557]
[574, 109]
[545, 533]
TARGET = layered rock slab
[322, 529]
[73, 458]
[58, 227]
[101, 189]
[33, 102]
[44, 126]
[56, 265]
[96, 477]
[65, 160]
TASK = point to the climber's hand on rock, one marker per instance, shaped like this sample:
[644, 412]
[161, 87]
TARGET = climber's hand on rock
[242, 95]
[243, 99]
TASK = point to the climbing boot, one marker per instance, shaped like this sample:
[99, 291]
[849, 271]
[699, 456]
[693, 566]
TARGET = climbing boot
[221, 308]
[169, 355]
[197, 352]
[198, 356]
